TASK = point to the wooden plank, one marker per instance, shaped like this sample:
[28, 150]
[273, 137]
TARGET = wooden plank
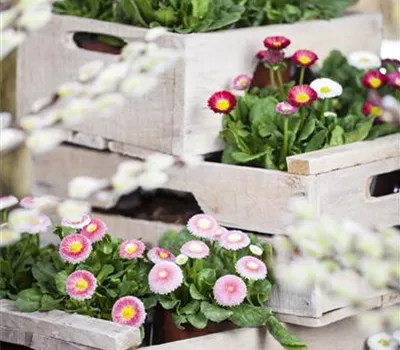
[346, 156]
[74, 328]
[89, 141]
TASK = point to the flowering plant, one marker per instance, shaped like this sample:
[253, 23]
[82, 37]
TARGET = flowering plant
[218, 275]
[263, 126]
[187, 16]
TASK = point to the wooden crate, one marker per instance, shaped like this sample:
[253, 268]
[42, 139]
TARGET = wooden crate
[174, 118]
[57, 330]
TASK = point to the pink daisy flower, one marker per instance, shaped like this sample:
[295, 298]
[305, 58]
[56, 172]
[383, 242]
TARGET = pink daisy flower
[42, 225]
[84, 221]
[202, 225]
[302, 95]
[304, 58]
[394, 80]
[131, 249]
[271, 57]
[195, 249]
[251, 268]
[223, 102]
[157, 255]
[374, 80]
[81, 285]
[230, 290]
[285, 108]
[234, 240]
[218, 233]
[28, 202]
[75, 248]
[129, 311]
[241, 82]
[165, 277]
[95, 231]
[276, 42]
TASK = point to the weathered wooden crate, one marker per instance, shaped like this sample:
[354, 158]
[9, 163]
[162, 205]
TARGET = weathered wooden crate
[175, 118]
[57, 330]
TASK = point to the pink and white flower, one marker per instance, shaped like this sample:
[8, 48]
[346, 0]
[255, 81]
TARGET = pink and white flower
[129, 311]
[95, 230]
[251, 268]
[157, 255]
[241, 82]
[165, 277]
[202, 225]
[195, 249]
[81, 285]
[42, 224]
[218, 233]
[234, 240]
[7, 202]
[79, 224]
[285, 108]
[302, 95]
[230, 290]
[131, 249]
[276, 42]
[270, 57]
[394, 80]
[75, 248]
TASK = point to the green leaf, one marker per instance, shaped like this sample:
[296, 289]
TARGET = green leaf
[179, 320]
[246, 315]
[200, 8]
[317, 141]
[105, 271]
[380, 130]
[167, 302]
[29, 300]
[282, 335]
[260, 290]
[337, 136]
[360, 132]
[215, 313]
[242, 157]
[198, 320]
[131, 10]
[61, 280]
[49, 303]
[195, 294]
[191, 308]
[43, 272]
[146, 10]
[207, 276]
[307, 130]
[150, 302]
[166, 16]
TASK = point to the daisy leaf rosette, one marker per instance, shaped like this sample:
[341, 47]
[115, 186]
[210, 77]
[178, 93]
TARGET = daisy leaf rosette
[221, 276]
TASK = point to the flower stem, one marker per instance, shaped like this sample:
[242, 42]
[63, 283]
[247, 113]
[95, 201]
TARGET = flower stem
[272, 77]
[303, 117]
[325, 108]
[280, 79]
[302, 71]
[284, 149]
[22, 254]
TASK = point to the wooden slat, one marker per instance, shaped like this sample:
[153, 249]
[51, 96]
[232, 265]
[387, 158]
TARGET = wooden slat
[346, 156]
[74, 328]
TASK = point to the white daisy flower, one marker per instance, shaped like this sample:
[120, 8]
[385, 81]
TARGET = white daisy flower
[138, 85]
[83, 187]
[89, 70]
[73, 210]
[22, 220]
[7, 202]
[364, 60]
[45, 140]
[108, 104]
[150, 180]
[382, 341]
[159, 161]
[326, 88]
[130, 168]
[11, 139]
[77, 110]
[8, 236]
[123, 183]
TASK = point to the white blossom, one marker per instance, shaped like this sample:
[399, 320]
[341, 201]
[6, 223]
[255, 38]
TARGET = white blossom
[108, 104]
[108, 79]
[133, 50]
[130, 168]
[364, 60]
[396, 335]
[382, 341]
[9, 40]
[191, 160]
[138, 85]
[159, 161]
[44, 140]
[39, 121]
[256, 250]
[89, 70]
[326, 88]
[155, 33]
[41, 103]
[7, 202]
[123, 183]
[8, 236]
[11, 139]
[150, 180]
[77, 110]
[83, 187]
[22, 220]
[70, 89]
[35, 18]
[376, 272]
[181, 259]
[73, 210]
[7, 17]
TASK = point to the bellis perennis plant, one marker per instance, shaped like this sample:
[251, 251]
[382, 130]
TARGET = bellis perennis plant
[218, 276]
[265, 125]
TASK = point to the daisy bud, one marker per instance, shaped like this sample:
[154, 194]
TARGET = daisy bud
[256, 250]
[285, 108]
[241, 82]
[181, 259]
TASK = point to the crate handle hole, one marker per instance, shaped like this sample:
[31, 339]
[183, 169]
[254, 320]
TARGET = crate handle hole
[99, 42]
[384, 184]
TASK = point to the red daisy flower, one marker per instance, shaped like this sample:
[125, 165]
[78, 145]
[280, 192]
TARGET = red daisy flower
[302, 95]
[304, 58]
[276, 42]
[394, 80]
[369, 108]
[374, 79]
[222, 102]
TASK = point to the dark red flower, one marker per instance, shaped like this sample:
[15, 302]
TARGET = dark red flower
[394, 80]
[222, 102]
[302, 95]
[371, 109]
[374, 79]
[276, 42]
[270, 56]
[304, 58]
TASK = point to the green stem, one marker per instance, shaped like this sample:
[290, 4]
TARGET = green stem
[325, 108]
[397, 94]
[302, 71]
[272, 77]
[303, 117]
[22, 255]
[281, 88]
[284, 150]
[4, 216]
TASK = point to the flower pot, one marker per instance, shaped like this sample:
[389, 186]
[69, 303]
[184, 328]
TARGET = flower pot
[166, 330]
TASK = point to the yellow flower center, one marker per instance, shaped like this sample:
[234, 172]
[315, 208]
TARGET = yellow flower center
[128, 313]
[163, 255]
[91, 228]
[375, 82]
[223, 105]
[195, 248]
[81, 285]
[397, 82]
[76, 247]
[376, 111]
[276, 44]
[384, 342]
[230, 289]
[302, 97]
[242, 82]
[304, 60]
[364, 60]
[233, 238]
[325, 90]
[163, 274]
[252, 265]
[131, 248]
[204, 224]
